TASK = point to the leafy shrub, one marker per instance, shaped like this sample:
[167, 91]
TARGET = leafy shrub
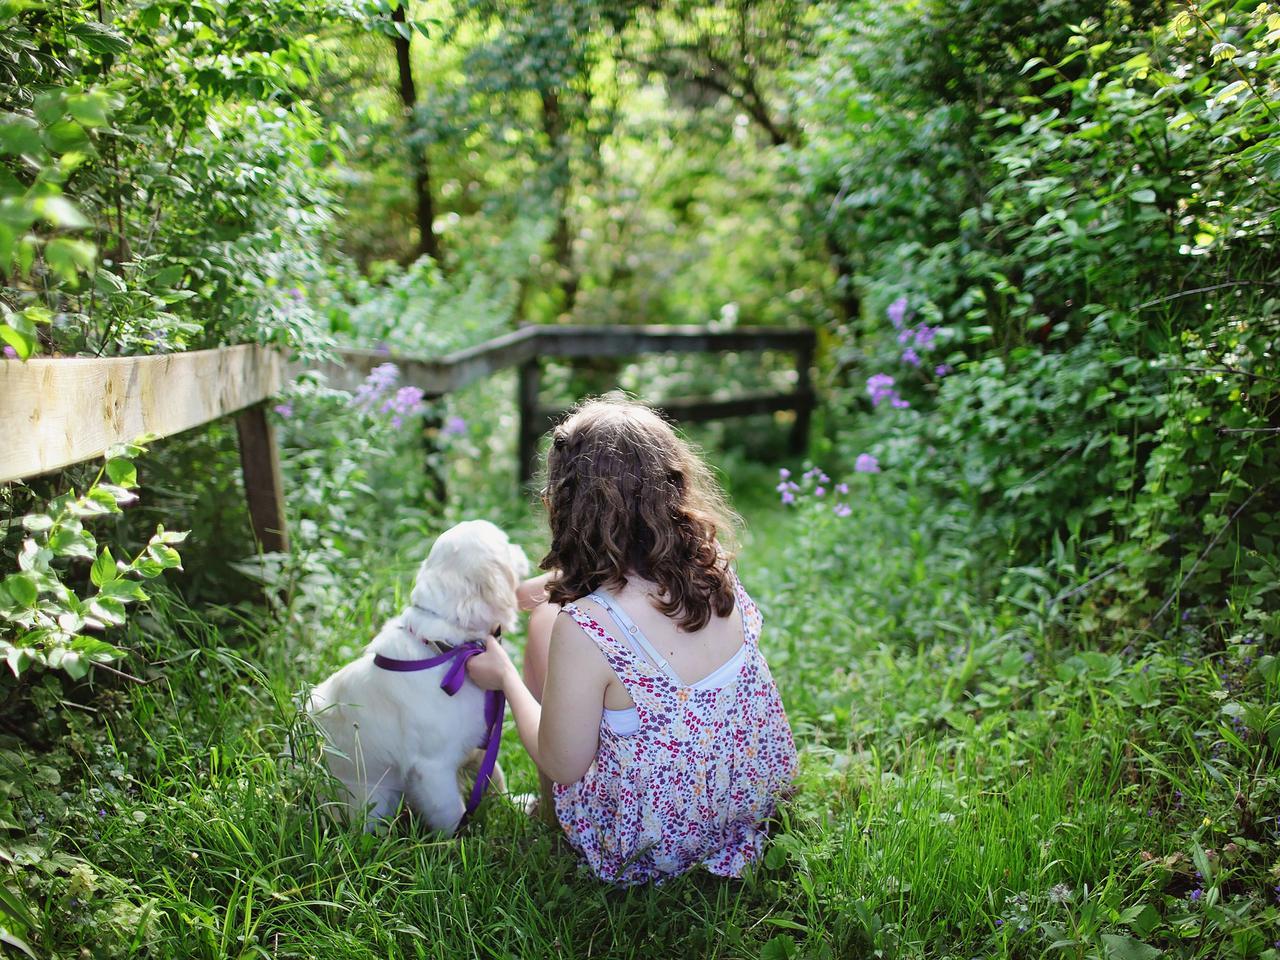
[1087, 231]
[46, 621]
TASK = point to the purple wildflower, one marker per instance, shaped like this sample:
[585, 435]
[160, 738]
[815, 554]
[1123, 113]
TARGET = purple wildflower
[942, 369]
[10, 352]
[820, 491]
[999, 922]
[381, 378]
[866, 463]
[910, 356]
[926, 336]
[295, 294]
[284, 410]
[880, 388]
[842, 488]
[1196, 894]
[406, 400]
[455, 426]
[788, 496]
[784, 473]
[842, 510]
[897, 312]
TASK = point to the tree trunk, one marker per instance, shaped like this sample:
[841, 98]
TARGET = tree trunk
[428, 242]
[561, 238]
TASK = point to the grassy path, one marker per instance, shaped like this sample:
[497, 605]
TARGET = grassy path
[962, 792]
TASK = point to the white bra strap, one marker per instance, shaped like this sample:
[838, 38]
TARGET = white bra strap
[633, 634]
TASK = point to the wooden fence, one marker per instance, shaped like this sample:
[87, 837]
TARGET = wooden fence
[61, 411]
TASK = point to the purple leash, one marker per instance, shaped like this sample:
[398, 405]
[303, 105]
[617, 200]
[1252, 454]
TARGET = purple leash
[495, 705]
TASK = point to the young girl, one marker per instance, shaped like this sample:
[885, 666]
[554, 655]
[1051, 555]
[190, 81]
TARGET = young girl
[645, 696]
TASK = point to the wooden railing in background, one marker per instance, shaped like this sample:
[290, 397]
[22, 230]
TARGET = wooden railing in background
[527, 347]
[60, 411]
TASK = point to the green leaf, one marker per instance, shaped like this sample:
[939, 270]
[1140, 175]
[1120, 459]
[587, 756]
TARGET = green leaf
[90, 109]
[781, 947]
[108, 611]
[22, 587]
[1201, 860]
[19, 135]
[60, 212]
[122, 472]
[1143, 196]
[75, 666]
[104, 568]
[119, 495]
[98, 37]
[1142, 918]
[1126, 948]
[23, 344]
[123, 590]
[68, 257]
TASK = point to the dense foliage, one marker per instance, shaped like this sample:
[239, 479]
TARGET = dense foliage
[1025, 623]
[1084, 237]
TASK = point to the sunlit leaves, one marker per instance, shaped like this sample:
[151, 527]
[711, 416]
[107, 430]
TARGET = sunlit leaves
[46, 618]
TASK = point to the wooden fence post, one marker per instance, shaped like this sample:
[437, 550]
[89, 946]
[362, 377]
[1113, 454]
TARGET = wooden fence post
[804, 409]
[260, 464]
[432, 452]
[530, 427]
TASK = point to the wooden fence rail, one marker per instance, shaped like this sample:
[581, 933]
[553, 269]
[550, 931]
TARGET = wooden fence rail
[60, 411]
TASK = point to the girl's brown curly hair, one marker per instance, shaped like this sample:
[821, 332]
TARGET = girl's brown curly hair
[626, 495]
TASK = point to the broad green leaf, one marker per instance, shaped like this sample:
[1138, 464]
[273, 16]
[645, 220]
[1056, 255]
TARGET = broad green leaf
[122, 472]
[23, 344]
[104, 568]
[1127, 948]
[60, 212]
[68, 257]
[124, 590]
[22, 587]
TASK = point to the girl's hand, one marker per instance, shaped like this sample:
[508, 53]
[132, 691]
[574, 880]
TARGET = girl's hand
[493, 669]
[532, 592]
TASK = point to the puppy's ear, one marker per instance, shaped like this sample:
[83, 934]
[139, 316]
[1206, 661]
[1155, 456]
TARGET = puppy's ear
[488, 597]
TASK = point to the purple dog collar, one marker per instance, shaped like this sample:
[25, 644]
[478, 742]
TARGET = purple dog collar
[495, 705]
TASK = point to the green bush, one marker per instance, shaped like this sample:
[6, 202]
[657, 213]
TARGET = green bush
[1081, 224]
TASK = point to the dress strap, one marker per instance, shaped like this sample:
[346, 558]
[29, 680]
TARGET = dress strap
[632, 668]
[752, 619]
[633, 635]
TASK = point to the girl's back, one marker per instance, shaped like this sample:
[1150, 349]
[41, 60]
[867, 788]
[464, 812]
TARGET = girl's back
[694, 745]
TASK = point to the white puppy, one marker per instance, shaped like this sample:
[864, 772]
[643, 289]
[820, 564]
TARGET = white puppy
[389, 734]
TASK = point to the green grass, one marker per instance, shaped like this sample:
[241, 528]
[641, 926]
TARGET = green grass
[971, 784]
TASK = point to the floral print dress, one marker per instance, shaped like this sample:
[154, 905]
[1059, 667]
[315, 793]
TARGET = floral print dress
[702, 771]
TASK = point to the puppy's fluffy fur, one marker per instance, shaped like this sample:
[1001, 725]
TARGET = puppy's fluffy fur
[392, 735]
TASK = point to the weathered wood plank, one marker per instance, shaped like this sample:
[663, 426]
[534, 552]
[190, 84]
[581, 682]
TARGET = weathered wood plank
[260, 466]
[59, 411]
[450, 372]
[623, 341]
